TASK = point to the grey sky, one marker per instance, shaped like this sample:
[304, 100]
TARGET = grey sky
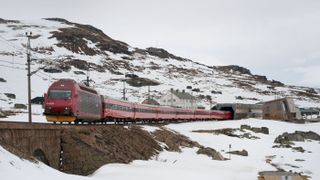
[276, 38]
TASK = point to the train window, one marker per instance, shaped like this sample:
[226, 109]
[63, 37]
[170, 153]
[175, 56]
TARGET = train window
[59, 94]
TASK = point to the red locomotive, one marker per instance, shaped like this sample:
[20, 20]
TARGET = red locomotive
[69, 101]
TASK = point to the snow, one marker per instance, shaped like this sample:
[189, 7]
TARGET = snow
[188, 164]
[150, 129]
[13, 167]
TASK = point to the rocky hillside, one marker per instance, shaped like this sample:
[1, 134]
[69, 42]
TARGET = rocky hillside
[63, 49]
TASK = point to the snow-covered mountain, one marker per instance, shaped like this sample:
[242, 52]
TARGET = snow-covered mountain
[62, 49]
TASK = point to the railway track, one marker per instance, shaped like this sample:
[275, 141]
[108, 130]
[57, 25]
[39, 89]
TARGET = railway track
[4, 124]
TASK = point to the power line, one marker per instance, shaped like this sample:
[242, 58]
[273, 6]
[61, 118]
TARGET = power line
[19, 49]
[12, 67]
[9, 43]
[12, 62]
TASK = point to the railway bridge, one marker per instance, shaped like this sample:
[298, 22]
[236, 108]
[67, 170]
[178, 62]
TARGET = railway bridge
[77, 149]
[42, 141]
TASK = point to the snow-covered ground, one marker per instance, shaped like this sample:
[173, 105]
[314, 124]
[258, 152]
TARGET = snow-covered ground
[187, 164]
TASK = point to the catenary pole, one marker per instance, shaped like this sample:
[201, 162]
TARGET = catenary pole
[29, 35]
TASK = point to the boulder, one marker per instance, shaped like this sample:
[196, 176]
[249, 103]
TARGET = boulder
[241, 153]
[263, 130]
[79, 72]
[20, 106]
[10, 95]
[215, 155]
[2, 114]
[299, 136]
[2, 80]
[52, 70]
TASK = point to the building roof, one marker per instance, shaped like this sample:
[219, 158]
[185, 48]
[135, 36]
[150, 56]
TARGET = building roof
[310, 110]
[182, 94]
[277, 173]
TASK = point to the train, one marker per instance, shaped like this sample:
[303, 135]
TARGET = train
[69, 101]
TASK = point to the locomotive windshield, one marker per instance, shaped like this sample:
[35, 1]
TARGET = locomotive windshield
[59, 94]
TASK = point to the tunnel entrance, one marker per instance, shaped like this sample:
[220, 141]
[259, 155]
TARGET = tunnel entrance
[39, 155]
[228, 108]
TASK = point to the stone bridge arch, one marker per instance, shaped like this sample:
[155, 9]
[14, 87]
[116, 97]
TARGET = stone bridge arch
[42, 141]
[41, 156]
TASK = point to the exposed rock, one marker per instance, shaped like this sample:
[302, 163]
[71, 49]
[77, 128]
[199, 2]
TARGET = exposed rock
[86, 150]
[2, 114]
[52, 70]
[79, 72]
[234, 68]
[263, 130]
[228, 132]
[311, 91]
[215, 155]
[20, 106]
[285, 140]
[131, 76]
[216, 92]
[10, 95]
[37, 100]
[3, 80]
[75, 39]
[138, 82]
[241, 153]
[260, 78]
[248, 136]
[246, 98]
[5, 21]
[6, 113]
[299, 149]
[163, 53]
[301, 136]
[174, 140]
[225, 131]
[277, 83]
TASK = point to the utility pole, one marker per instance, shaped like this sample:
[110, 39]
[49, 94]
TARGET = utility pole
[124, 89]
[29, 35]
[148, 92]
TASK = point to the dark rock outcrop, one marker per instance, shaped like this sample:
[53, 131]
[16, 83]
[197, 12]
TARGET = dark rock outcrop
[138, 82]
[20, 106]
[234, 68]
[10, 95]
[263, 130]
[85, 150]
[161, 53]
[3, 80]
[286, 139]
[240, 153]
[215, 155]
[5, 21]
[174, 141]
[52, 70]
[299, 136]
[75, 39]
[79, 72]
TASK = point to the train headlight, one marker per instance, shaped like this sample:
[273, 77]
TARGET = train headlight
[67, 110]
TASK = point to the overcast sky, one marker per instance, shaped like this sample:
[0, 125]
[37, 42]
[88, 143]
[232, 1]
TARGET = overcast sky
[276, 38]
